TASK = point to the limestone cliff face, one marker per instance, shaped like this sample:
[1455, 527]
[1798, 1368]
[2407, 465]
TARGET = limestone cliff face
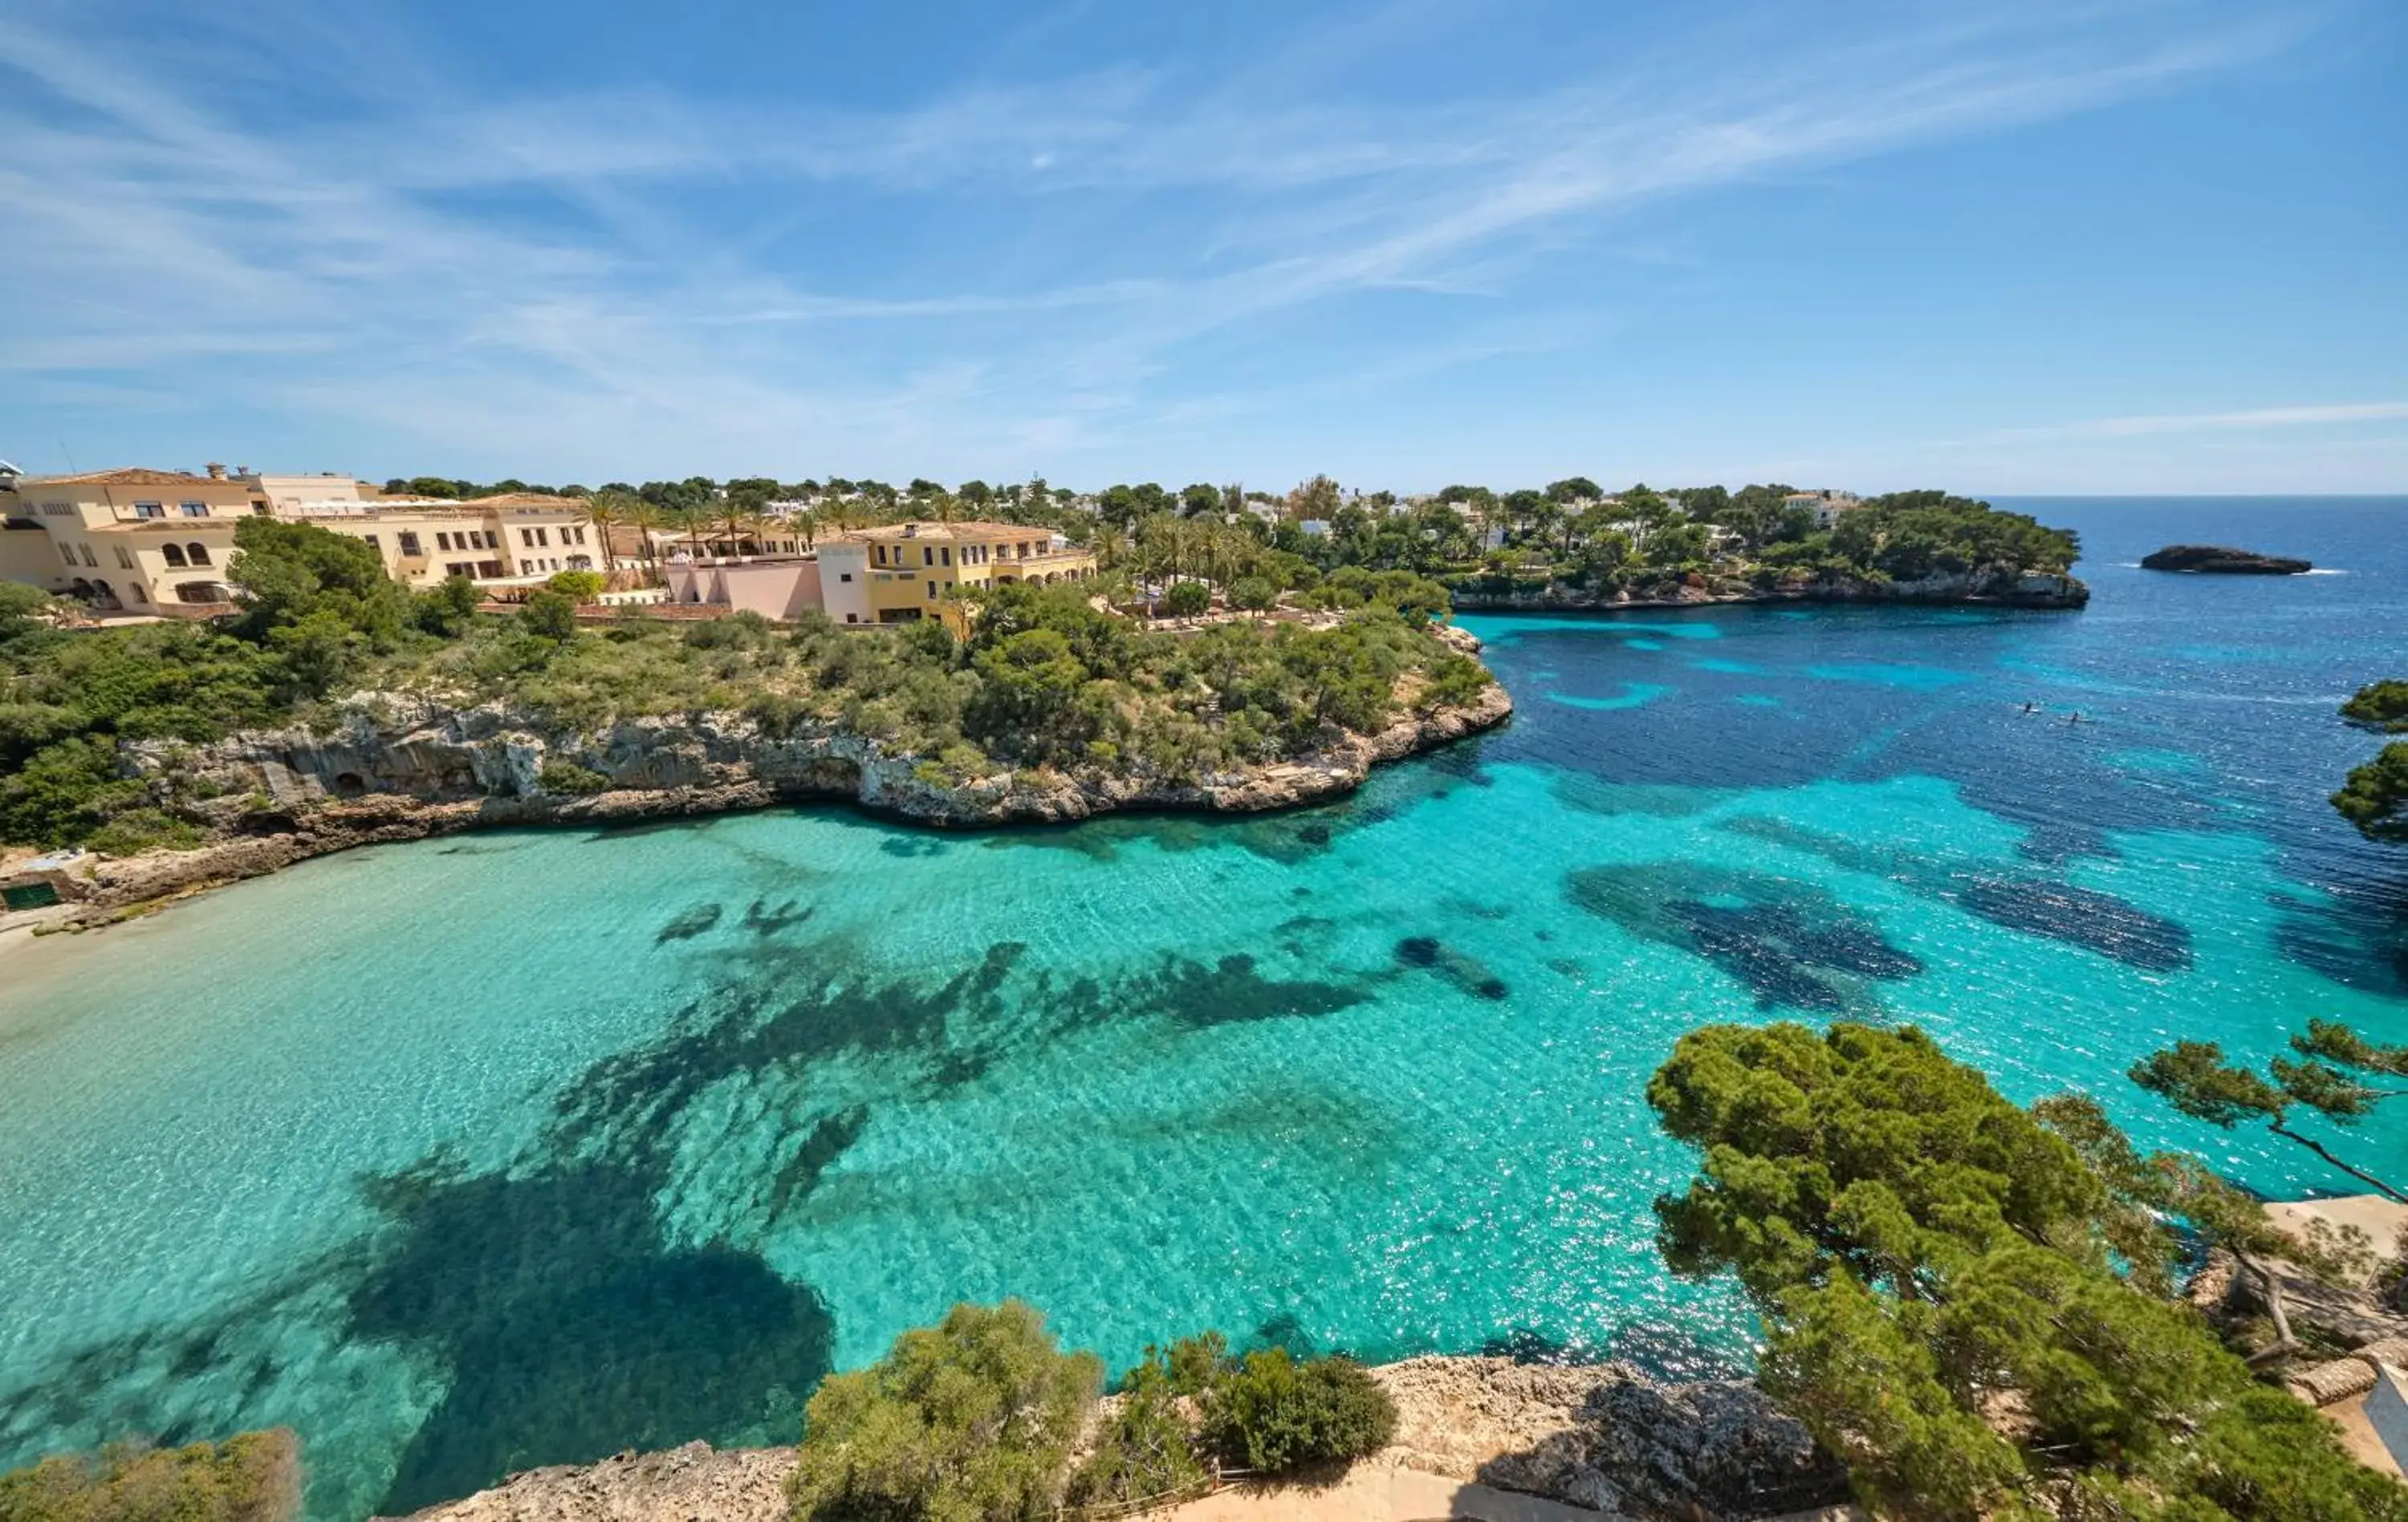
[1991, 588]
[401, 768]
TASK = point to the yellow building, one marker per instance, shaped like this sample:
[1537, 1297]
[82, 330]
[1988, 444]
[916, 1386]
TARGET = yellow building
[159, 541]
[905, 571]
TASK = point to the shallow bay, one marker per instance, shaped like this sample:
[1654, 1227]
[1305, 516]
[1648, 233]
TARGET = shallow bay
[466, 1155]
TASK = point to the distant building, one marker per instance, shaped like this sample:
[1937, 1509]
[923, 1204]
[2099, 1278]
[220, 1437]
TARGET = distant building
[160, 541]
[1826, 506]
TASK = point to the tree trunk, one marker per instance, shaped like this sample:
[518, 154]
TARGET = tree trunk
[2359, 1173]
[2269, 1286]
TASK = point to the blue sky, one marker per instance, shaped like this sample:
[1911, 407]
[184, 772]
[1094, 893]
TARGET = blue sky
[2113, 245]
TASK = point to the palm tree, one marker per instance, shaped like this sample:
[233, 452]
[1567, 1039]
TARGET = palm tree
[644, 516]
[605, 510]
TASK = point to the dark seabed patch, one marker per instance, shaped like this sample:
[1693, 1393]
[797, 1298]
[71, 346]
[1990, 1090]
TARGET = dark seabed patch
[762, 919]
[1231, 990]
[1467, 973]
[2084, 918]
[693, 922]
[1790, 943]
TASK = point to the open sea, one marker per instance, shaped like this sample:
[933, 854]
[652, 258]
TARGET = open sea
[473, 1154]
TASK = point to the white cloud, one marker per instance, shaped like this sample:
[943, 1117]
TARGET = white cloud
[572, 282]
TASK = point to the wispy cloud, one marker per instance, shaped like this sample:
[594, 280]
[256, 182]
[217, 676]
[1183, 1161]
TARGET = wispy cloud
[596, 281]
[2264, 417]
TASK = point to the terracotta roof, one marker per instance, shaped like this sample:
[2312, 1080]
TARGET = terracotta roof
[127, 476]
[930, 530]
[527, 499]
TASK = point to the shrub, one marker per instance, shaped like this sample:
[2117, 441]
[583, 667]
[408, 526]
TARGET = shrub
[1186, 600]
[1146, 1450]
[1272, 1414]
[548, 615]
[967, 1420]
[577, 585]
[1252, 593]
[253, 1477]
[569, 777]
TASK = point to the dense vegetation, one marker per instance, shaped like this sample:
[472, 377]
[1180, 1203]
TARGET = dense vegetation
[2374, 797]
[1970, 1303]
[967, 1421]
[254, 1477]
[975, 1419]
[1045, 681]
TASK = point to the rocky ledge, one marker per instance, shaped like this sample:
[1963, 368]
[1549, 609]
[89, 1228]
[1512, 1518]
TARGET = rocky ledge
[1988, 588]
[2222, 560]
[401, 768]
[1605, 1437]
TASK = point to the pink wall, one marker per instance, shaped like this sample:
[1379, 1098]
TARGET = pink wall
[779, 589]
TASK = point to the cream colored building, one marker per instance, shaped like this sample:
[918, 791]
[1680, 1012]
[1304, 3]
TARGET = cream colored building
[159, 541]
[904, 572]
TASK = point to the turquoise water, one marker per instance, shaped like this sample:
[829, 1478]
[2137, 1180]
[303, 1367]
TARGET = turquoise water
[466, 1155]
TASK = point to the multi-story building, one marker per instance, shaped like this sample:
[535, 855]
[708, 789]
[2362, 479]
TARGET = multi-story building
[904, 572]
[159, 541]
[889, 575]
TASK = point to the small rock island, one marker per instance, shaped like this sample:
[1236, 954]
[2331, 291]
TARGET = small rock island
[2222, 560]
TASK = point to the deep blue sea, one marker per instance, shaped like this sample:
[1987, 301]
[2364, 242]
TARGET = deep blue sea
[472, 1155]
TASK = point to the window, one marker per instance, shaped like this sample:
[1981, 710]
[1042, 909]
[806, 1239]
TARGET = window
[543, 537]
[195, 510]
[199, 553]
[89, 558]
[124, 560]
[932, 591]
[138, 595]
[927, 555]
[66, 509]
[174, 553]
[370, 540]
[844, 576]
[949, 555]
[443, 541]
[410, 545]
[851, 618]
[150, 509]
[66, 551]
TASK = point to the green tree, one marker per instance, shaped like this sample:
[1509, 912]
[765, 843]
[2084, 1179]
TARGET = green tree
[2332, 1080]
[1186, 600]
[576, 585]
[967, 1421]
[1274, 1413]
[252, 1477]
[1573, 490]
[1145, 1450]
[1938, 1275]
[287, 572]
[548, 615]
[2374, 797]
[1253, 592]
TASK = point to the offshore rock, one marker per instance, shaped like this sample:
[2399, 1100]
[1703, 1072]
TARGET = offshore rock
[2222, 560]
[399, 768]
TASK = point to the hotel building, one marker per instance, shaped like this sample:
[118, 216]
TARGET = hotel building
[159, 541]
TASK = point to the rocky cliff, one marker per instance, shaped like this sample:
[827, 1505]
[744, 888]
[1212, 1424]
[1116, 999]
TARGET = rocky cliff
[397, 769]
[1993, 588]
[1605, 1437]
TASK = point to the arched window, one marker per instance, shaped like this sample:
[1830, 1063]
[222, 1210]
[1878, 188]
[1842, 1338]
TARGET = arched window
[200, 553]
[174, 553]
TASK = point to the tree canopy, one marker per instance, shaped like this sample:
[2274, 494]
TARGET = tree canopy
[2374, 797]
[1949, 1300]
[971, 1420]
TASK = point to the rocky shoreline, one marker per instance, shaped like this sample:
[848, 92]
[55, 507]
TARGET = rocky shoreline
[1604, 1437]
[404, 768]
[1996, 589]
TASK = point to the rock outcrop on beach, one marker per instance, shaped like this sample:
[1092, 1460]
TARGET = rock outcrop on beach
[1987, 588]
[397, 768]
[2222, 560]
